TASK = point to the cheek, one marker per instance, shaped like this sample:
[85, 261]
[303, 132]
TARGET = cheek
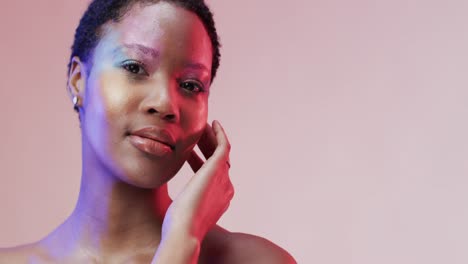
[193, 120]
[196, 115]
[106, 106]
[114, 93]
[110, 99]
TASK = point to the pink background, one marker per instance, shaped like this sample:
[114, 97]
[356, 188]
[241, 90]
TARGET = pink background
[348, 121]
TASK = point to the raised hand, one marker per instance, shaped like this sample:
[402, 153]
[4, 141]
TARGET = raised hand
[203, 200]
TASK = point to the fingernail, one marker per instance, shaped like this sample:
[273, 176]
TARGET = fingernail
[217, 124]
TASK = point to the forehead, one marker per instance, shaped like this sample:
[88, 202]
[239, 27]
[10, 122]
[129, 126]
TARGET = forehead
[164, 27]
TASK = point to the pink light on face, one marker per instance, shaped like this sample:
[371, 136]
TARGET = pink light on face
[140, 80]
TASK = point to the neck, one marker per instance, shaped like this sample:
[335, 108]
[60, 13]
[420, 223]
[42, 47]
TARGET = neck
[116, 211]
[111, 216]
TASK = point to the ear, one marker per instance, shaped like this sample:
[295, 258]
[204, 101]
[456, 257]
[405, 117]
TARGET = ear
[77, 79]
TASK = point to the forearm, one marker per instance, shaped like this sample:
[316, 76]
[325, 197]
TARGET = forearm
[177, 249]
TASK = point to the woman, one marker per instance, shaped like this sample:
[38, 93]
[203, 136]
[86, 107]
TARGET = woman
[139, 78]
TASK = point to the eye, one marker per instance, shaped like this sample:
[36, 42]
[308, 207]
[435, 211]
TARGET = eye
[134, 67]
[192, 86]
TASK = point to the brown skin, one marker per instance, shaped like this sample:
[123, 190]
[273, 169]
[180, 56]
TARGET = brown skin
[124, 213]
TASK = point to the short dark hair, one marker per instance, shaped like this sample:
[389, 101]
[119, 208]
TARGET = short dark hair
[88, 32]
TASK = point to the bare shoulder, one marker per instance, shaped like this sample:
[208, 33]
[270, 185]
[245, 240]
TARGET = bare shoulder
[29, 253]
[247, 248]
[234, 248]
[14, 255]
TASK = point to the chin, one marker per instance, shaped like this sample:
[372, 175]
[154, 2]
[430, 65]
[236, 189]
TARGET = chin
[146, 173]
[132, 166]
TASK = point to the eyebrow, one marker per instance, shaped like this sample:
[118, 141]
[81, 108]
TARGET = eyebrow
[141, 48]
[155, 54]
[196, 66]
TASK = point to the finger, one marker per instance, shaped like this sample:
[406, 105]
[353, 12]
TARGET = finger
[229, 196]
[225, 208]
[230, 190]
[219, 159]
[207, 142]
[194, 161]
[224, 147]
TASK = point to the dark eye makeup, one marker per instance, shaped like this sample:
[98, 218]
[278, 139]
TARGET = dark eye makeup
[192, 86]
[134, 67]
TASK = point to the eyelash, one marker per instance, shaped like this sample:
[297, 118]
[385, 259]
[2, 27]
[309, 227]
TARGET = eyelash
[197, 85]
[127, 64]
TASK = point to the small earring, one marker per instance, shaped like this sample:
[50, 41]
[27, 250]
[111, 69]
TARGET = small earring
[76, 102]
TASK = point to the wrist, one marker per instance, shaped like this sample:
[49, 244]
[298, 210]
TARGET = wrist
[178, 248]
[182, 240]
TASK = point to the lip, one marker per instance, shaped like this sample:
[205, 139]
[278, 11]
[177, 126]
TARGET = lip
[156, 134]
[153, 140]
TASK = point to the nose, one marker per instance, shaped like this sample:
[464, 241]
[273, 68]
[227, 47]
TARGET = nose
[161, 102]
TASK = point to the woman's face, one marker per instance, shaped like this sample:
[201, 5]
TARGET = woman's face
[152, 71]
